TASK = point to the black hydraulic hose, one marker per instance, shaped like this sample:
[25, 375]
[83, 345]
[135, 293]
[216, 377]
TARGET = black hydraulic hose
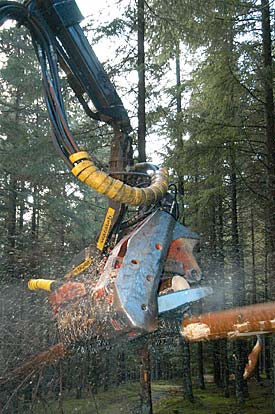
[47, 47]
[45, 53]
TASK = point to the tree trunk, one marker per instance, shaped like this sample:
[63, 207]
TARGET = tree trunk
[237, 282]
[268, 80]
[11, 224]
[145, 374]
[179, 140]
[187, 382]
[216, 286]
[254, 281]
[145, 381]
[21, 208]
[201, 382]
[267, 298]
[34, 222]
[253, 269]
[216, 363]
[200, 364]
[121, 368]
[141, 84]
[11, 218]
[220, 260]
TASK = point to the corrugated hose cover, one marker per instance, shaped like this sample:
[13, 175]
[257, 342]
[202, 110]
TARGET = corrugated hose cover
[86, 171]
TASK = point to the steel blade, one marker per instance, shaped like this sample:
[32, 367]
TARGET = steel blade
[174, 300]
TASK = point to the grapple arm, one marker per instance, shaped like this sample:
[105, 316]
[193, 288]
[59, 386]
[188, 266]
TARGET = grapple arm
[124, 297]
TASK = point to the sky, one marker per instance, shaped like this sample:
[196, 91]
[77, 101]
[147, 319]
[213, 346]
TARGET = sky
[99, 10]
[88, 7]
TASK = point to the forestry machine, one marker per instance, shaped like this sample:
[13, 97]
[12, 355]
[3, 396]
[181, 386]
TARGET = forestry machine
[142, 265]
[139, 271]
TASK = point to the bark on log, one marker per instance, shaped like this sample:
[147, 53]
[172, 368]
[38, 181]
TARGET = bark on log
[232, 323]
[253, 358]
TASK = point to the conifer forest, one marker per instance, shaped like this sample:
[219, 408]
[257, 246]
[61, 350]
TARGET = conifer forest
[197, 79]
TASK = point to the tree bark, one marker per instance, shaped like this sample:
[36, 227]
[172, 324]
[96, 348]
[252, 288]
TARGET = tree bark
[187, 381]
[200, 364]
[267, 339]
[121, 368]
[201, 382]
[237, 282]
[268, 80]
[253, 269]
[11, 218]
[21, 208]
[145, 369]
[179, 140]
[220, 260]
[230, 323]
[254, 281]
[145, 381]
[141, 84]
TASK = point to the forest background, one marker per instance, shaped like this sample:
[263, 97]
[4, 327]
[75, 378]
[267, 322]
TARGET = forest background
[209, 103]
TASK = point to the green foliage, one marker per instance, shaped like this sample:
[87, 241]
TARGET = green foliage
[220, 129]
[54, 224]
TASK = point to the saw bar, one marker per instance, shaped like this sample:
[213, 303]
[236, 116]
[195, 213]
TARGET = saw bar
[175, 300]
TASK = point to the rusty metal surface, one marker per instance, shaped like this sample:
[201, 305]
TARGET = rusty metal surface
[181, 260]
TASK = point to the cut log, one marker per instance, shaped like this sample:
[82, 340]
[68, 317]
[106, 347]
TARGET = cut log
[231, 323]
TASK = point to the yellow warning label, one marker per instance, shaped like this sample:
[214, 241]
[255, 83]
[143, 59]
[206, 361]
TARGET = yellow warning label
[105, 228]
[80, 268]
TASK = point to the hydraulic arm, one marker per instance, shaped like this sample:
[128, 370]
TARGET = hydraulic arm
[58, 39]
[119, 287]
[76, 56]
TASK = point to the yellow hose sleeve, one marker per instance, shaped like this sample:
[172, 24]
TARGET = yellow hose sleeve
[81, 155]
[85, 170]
[43, 284]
